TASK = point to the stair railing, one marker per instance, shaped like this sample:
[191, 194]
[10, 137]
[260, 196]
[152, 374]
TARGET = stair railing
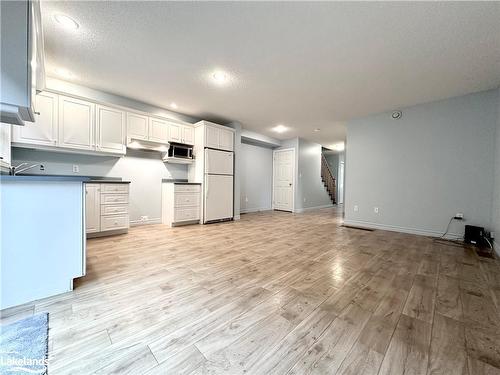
[328, 179]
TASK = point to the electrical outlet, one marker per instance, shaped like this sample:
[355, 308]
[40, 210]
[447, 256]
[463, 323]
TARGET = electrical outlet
[76, 168]
[42, 167]
[459, 216]
[246, 199]
[375, 209]
[145, 218]
[356, 208]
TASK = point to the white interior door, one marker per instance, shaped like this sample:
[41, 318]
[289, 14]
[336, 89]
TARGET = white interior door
[341, 182]
[283, 179]
[218, 162]
[218, 197]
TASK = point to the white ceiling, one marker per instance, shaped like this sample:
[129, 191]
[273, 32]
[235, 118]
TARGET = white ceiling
[306, 65]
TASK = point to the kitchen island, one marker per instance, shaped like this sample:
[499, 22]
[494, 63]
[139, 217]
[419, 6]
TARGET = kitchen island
[42, 236]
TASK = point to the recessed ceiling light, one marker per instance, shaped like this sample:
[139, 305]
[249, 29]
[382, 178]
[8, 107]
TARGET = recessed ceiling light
[64, 73]
[280, 128]
[220, 77]
[66, 21]
[317, 130]
[173, 105]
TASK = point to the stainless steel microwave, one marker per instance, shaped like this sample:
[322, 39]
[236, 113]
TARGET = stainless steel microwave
[178, 150]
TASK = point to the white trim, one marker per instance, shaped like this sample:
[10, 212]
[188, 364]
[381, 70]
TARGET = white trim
[395, 228]
[236, 217]
[300, 210]
[134, 223]
[294, 182]
[258, 209]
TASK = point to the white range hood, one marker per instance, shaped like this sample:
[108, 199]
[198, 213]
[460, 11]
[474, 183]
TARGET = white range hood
[141, 144]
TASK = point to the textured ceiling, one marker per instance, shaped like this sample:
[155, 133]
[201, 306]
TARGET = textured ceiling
[306, 65]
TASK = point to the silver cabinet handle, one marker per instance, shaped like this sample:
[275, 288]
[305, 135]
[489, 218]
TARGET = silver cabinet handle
[36, 113]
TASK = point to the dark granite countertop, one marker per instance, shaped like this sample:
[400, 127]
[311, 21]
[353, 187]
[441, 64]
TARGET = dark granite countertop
[179, 181]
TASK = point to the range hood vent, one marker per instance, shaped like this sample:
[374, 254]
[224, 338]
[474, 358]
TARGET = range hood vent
[141, 144]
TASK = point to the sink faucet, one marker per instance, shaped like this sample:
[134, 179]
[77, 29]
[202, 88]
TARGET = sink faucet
[15, 170]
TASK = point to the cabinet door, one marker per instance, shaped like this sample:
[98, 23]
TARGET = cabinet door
[211, 137]
[188, 137]
[92, 208]
[226, 140]
[175, 133]
[137, 126]
[44, 130]
[76, 123]
[5, 134]
[110, 130]
[158, 130]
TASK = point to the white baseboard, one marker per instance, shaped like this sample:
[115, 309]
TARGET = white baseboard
[134, 223]
[395, 228]
[300, 210]
[248, 210]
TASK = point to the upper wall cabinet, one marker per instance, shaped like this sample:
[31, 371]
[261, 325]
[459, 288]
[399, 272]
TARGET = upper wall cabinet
[44, 130]
[158, 130]
[137, 126]
[76, 123]
[219, 138]
[111, 133]
[181, 133]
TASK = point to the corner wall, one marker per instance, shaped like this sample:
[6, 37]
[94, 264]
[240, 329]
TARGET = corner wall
[495, 219]
[434, 162]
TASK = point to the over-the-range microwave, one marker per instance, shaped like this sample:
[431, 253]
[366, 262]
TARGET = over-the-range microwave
[178, 150]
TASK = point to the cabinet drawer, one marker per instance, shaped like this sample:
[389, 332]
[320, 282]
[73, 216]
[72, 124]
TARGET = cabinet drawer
[114, 188]
[114, 222]
[186, 214]
[187, 188]
[113, 198]
[108, 209]
[187, 199]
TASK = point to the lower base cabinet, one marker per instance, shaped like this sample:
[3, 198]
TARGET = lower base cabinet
[180, 203]
[106, 208]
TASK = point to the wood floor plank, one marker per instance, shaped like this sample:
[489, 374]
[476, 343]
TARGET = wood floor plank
[420, 302]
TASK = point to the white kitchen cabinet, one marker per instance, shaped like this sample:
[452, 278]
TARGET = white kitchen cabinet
[226, 139]
[44, 130]
[180, 203]
[137, 126]
[92, 208]
[76, 123]
[5, 151]
[211, 136]
[110, 130]
[107, 208]
[175, 132]
[188, 135]
[219, 138]
[158, 130]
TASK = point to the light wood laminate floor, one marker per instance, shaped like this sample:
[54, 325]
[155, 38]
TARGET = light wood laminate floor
[275, 293]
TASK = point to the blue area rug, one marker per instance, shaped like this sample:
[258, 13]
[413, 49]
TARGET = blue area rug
[24, 346]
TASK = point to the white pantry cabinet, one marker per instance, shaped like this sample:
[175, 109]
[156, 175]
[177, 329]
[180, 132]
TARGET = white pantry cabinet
[111, 130]
[5, 152]
[158, 130]
[44, 130]
[137, 126]
[76, 123]
[92, 208]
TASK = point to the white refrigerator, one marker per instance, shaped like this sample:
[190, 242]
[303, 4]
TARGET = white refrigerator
[218, 194]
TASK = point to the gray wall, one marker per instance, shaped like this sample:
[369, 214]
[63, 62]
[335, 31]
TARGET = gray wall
[435, 161]
[144, 169]
[312, 191]
[256, 178]
[496, 192]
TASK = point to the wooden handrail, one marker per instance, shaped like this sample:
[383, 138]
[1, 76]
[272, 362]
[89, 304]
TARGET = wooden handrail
[328, 179]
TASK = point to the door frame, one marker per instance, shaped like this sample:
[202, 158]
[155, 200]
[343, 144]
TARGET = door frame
[293, 177]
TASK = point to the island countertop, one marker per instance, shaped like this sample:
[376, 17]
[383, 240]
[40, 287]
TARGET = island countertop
[63, 178]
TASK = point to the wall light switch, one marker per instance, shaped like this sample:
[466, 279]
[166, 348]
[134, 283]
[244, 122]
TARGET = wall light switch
[375, 209]
[246, 199]
[356, 208]
[76, 168]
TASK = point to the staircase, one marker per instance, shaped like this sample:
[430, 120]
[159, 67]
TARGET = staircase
[328, 180]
